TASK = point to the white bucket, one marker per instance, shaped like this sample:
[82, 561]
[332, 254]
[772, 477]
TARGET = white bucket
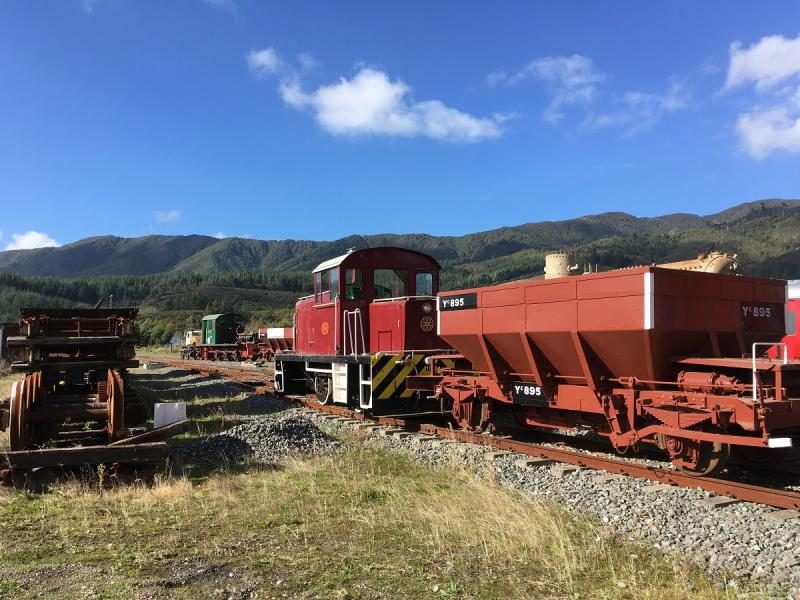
[166, 413]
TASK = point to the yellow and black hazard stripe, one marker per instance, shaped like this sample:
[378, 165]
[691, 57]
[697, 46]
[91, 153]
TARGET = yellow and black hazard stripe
[389, 373]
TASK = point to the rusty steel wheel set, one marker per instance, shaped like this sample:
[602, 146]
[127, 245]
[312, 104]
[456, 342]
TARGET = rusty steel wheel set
[73, 406]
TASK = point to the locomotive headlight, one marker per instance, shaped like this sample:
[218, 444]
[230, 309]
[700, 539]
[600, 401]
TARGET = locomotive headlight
[427, 307]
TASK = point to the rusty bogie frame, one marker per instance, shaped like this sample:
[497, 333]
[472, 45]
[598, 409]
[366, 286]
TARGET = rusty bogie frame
[73, 391]
[696, 419]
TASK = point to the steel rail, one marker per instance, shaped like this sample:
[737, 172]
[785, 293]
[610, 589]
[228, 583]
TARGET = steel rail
[778, 498]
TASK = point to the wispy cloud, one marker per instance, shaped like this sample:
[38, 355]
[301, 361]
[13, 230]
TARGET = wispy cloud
[371, 103]
[307, 61]
[29, 240]
[772, 67]
[264, 62]
[227, 5]
[88, 6]
[575, 82]
[166, 216]
[571, 79]
[637, 111]
[219, 235]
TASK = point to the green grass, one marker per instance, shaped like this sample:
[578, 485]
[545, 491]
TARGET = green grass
[365, 524]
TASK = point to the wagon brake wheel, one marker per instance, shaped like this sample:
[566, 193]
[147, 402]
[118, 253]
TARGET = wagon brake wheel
[115, 404]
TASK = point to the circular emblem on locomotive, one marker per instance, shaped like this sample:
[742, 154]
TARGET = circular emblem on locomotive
[427, 308]
[325, 328]
[426, 324]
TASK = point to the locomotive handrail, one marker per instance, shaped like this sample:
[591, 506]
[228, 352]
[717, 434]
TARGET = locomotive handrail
[755, 370]
[405, 298]
[352, 333]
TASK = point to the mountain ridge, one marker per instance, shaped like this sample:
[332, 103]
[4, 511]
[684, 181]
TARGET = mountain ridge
[148, 255]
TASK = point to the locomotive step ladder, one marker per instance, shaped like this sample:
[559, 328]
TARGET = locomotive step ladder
[365, 386]
[339, 383]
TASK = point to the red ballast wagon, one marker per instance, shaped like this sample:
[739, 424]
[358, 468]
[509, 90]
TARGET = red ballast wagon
[644, 355]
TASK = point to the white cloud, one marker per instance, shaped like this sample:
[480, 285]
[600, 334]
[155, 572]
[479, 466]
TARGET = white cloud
[264, 62]
[29, 240]
[572, 80]
[167, 216]
[763, 131]
[772, 67]
[219, 235]
[638, 111]
[768, 62]
[370, 103]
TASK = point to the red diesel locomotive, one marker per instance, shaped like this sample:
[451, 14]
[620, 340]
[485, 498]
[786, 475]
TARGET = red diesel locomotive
[648, 355]
[369, 324]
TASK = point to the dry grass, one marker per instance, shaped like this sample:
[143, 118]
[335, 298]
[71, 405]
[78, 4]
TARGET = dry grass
[365, 524]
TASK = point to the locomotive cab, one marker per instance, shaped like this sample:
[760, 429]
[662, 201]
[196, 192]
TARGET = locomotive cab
[367, 301]
[369, 324]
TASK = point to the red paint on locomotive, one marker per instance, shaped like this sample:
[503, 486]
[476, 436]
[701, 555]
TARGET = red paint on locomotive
[369, 301]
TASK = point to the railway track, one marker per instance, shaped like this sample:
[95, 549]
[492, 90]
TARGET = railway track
[253, 379]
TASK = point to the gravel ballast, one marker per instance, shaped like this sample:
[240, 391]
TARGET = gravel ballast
[740, 545]
[267, 440]
[734, 544]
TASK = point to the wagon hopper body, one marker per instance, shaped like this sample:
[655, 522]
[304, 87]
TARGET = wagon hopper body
[675, 358]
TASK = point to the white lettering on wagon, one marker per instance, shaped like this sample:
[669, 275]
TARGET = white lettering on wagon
[761, 312]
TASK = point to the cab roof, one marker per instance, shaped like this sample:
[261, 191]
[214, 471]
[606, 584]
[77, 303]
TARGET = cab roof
[339, 260]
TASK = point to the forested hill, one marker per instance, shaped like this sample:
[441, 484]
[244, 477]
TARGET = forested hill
[745, 228]
[175, 280]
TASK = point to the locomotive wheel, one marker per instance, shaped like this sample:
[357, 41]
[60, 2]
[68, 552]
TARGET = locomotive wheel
[115, 404]
[322, 388]
[697, 458]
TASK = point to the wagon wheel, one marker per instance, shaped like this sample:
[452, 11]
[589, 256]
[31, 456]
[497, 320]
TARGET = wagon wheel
[16, 416]
[697, 458]
[760, 458]
[322, 388]
[116, 404]
[35, 397]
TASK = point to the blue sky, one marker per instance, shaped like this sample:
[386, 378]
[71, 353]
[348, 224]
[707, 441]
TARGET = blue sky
[315, 120]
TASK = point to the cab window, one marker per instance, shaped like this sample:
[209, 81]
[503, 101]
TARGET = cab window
[353, 284]
[318, 287]
[424, 284]
[326, 285]
[334, 283]
[390, 283]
